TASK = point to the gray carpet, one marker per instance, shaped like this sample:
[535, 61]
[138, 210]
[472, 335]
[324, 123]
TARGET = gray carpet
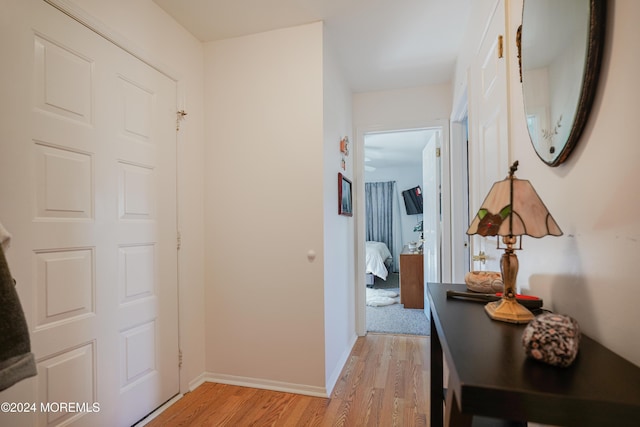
[392, 282]
[394, 318]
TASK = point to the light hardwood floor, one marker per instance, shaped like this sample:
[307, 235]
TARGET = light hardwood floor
[385, 382]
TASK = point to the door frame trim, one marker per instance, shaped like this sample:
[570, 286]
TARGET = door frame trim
[91, 22]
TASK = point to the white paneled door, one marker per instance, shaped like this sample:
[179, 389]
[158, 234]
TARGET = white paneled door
[88, 190]
[431, 182]
[488, 145]
[432, 223]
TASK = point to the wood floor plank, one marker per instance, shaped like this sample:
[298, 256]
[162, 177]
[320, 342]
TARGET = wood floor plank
[383, 383]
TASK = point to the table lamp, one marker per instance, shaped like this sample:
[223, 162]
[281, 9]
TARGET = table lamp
[512, 209]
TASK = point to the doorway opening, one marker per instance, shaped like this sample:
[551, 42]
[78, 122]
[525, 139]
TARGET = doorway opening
[396, 175]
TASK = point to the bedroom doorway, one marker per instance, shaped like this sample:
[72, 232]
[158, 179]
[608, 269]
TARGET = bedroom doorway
[395, 161]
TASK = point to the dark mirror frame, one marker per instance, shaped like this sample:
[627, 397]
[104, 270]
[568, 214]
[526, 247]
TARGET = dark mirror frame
[593, 60]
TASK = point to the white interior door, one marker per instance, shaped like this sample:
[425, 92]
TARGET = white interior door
[88, 163]
[488, 143]
[431, 176]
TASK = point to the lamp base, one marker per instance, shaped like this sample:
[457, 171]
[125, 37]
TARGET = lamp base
[508, 310]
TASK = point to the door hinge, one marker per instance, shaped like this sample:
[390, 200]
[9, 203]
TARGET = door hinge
[500, 46]
[179, 358]
[438, 152]
[179, 117]
[178, 240]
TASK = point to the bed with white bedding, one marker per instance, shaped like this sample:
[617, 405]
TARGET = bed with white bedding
[378, 259]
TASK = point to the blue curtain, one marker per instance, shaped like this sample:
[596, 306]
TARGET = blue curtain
[379, 201]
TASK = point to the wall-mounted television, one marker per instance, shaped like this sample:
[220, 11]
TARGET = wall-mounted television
[413, 200]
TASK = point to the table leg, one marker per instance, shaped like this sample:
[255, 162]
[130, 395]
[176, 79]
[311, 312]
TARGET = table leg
[436, 364]
[453, 416]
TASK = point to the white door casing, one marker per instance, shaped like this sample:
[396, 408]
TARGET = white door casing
[359, 209]
[88, 164]
[488, 139]
[460, 259]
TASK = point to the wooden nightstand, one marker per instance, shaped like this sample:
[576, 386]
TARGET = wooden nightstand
[411, 279]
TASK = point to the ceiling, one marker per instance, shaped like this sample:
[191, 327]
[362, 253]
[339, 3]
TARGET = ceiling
[380, 44]
[395, 149]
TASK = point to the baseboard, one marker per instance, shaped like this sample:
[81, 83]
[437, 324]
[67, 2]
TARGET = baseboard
[261, 384]
[335, 375]
[278, 385]
[266, 384]
[198, 381]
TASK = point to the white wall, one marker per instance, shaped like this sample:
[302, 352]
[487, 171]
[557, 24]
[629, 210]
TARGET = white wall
[401, 109]
[589, 272]
[156, 37]
[339, 271]
[264, 210]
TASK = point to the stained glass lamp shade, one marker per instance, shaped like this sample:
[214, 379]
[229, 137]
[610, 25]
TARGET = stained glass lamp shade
[511, 210]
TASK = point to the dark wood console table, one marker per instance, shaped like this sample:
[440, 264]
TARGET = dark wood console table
[490, 375]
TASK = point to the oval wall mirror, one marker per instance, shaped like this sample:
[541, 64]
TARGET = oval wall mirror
[561, 46]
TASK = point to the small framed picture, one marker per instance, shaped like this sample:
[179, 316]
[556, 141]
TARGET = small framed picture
[345, 203]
